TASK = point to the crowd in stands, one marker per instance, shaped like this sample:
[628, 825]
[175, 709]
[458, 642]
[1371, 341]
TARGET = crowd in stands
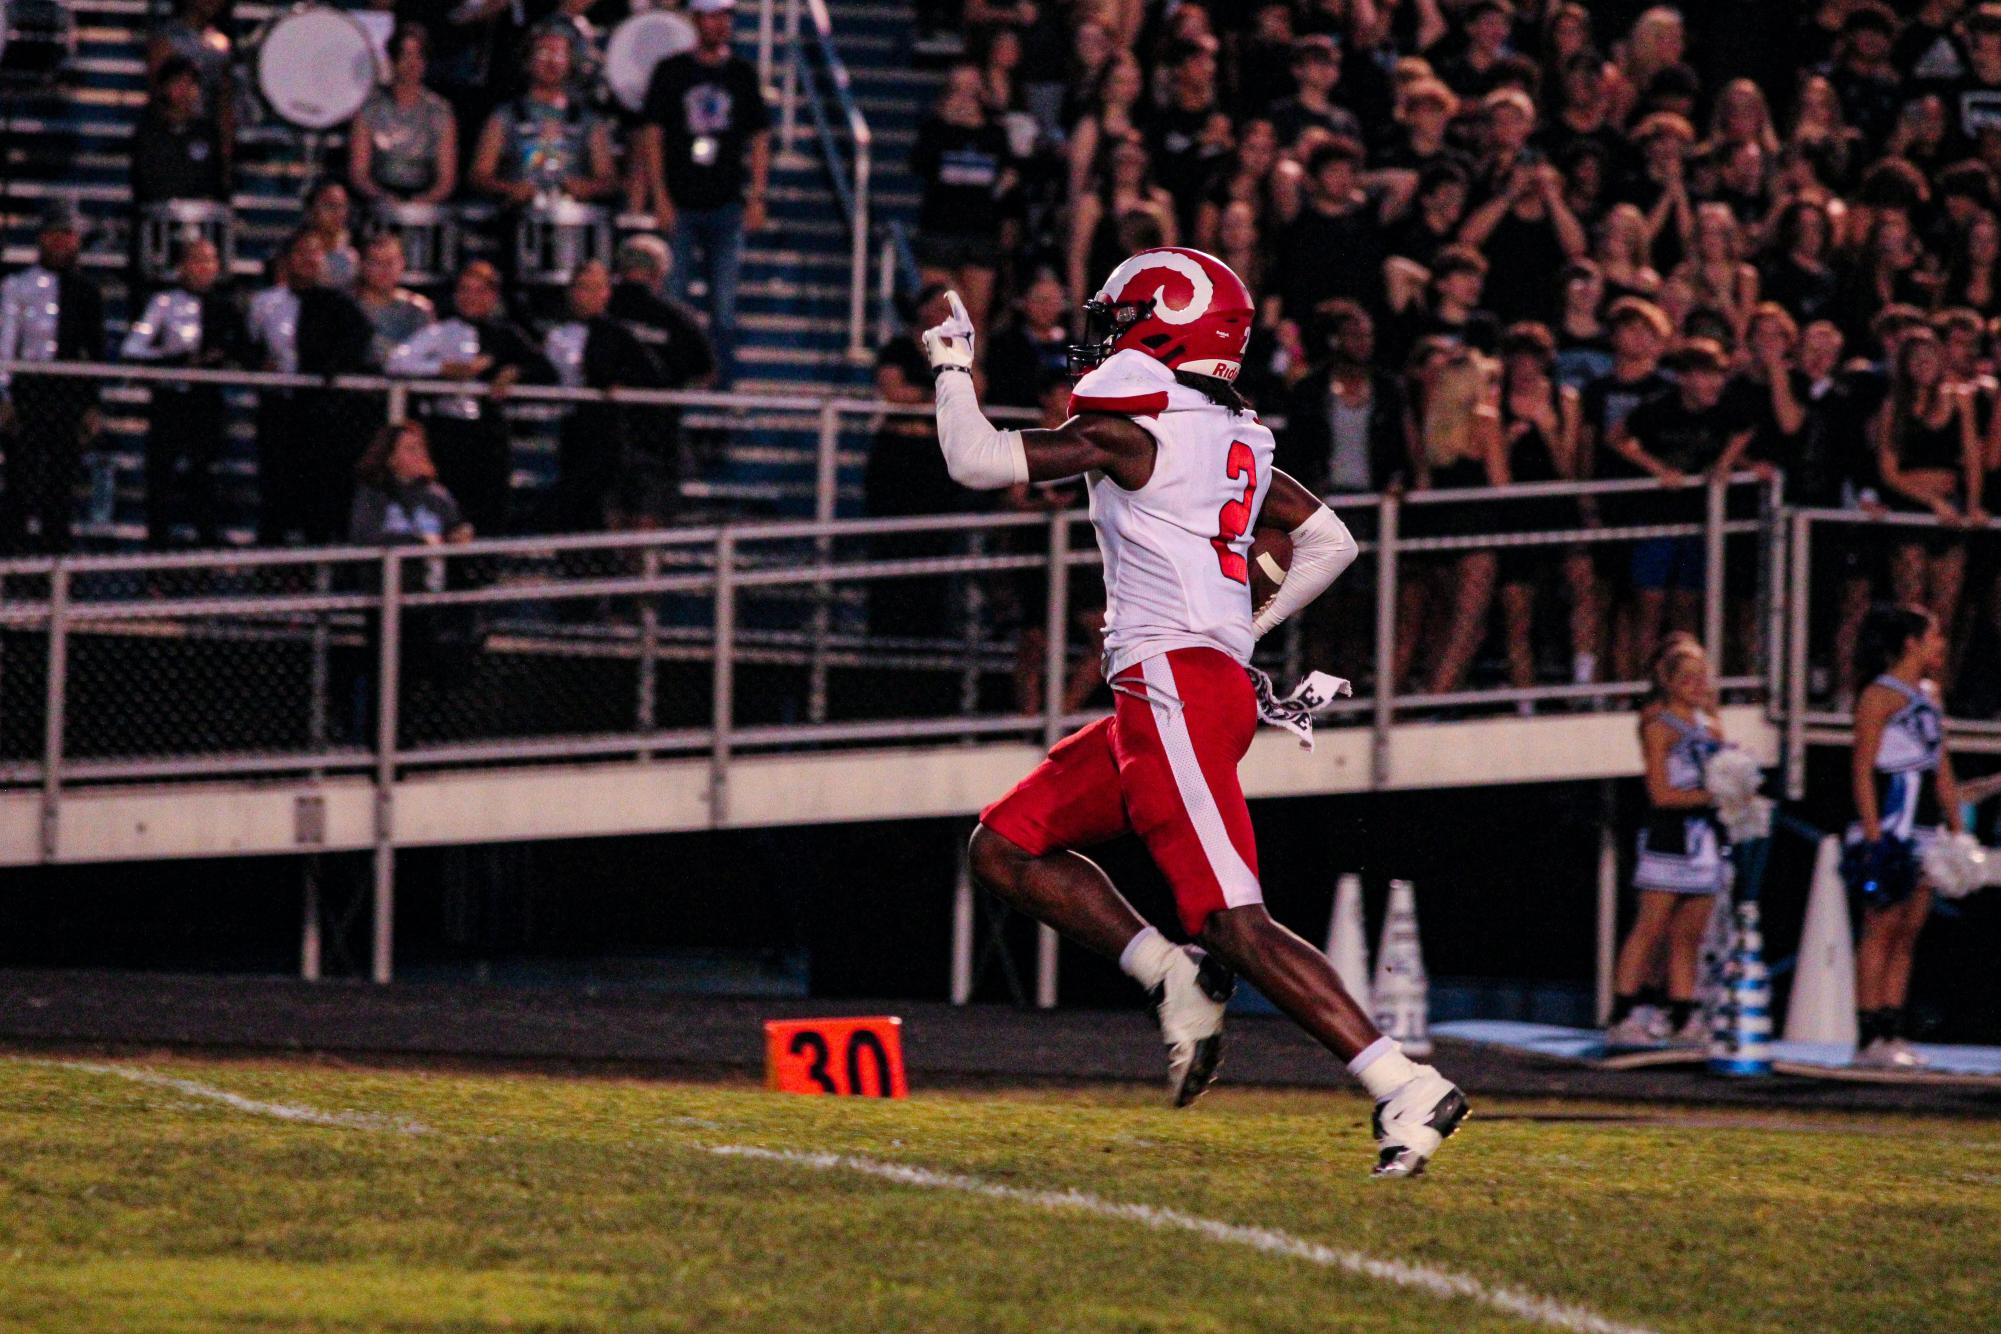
[1510, 241]
[1496, 242]
[480, 103]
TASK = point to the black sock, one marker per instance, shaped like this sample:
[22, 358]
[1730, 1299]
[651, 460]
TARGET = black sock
[1678, 1013]
[1621, 1007]
[1894, 1024]
[1654, 995]
[1868, 1026]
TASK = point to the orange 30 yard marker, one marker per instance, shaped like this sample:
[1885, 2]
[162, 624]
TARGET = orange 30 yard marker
[860, 1057]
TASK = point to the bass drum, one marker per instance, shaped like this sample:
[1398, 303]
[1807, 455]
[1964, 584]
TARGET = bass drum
[636, 46]
[37, 39]
[315, 66]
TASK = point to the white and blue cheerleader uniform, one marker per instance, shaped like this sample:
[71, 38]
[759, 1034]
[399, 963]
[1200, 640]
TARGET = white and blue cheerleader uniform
[1907, 760]
[1682, 850]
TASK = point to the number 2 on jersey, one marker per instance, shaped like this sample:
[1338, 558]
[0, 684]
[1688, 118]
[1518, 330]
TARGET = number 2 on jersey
[1235, 516]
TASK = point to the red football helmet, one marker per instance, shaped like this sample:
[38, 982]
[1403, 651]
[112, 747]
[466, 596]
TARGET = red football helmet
[1179, 306]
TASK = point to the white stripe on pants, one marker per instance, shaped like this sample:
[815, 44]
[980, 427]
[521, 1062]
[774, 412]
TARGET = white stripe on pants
[1239, 883]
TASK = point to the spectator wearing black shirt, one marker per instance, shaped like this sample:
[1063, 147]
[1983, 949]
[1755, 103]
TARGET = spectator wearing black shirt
[1930, 459]
[1796, 273]
[177, 149]
[1337, 218]
[1099, 225]
[673, 335]
[1863, 76]
[707, 147]
[1424, 111]
[1263, 59]
[1431, 223]
[1189, 136]
[1973, 266]
[1477, 69]
[336, 337]
[470, 435]
[1027, 349]
[1675, 437]
[669, 329]
[49, 311]
[1973, 97]
[1834, 467]
[1448, 307]
[1247, 179]
[194, 324]
[1532, 226]
[962, 157]
[1316, 71]
[1583, 344]
[610, 469]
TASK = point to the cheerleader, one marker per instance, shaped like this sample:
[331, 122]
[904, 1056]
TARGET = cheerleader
[1904, 789]
[1680, 869]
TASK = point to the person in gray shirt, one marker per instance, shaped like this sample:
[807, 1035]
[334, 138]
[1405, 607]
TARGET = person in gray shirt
[397, 313]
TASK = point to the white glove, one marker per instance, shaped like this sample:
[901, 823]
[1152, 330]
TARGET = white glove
[1956, 865]
[950, 345]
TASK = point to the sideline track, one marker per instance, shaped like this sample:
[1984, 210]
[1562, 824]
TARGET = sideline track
[635, 1032]
[1428, 1279]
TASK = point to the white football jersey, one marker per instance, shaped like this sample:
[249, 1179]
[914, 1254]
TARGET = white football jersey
[1176, 551]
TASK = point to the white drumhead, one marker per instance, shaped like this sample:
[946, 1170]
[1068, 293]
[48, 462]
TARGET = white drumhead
[636, 46]
[316, 67]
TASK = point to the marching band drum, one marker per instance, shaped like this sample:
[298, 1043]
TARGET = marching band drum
[430, 236]
[166, 227]
[555, 236]
[315, 66]
[636, 46]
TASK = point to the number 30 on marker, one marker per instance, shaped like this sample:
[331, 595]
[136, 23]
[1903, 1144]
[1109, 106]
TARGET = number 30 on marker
[860, 1057]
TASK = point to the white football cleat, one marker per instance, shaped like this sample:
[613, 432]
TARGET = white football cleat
[1412, 1122]
[1189, 1002]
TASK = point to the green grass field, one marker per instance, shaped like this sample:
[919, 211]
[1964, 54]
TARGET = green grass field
[474, 1202]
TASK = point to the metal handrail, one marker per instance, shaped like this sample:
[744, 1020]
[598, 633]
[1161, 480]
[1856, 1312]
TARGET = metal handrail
[852, 185]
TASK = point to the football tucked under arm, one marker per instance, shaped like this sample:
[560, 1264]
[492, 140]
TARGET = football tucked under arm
[1322, 547]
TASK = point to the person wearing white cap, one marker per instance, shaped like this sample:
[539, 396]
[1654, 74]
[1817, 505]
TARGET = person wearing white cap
[706, 148]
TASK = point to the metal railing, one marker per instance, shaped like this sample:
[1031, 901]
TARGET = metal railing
[1831, 723]
[253, 663]
[839, 424]
[814, 76]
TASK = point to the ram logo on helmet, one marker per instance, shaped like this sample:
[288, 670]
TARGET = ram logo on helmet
[1180, 306]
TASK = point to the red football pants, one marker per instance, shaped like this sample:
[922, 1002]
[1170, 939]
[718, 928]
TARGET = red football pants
[1163, 766]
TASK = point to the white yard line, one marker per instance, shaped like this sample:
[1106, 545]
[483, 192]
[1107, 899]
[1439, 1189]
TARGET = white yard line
[1427, 1279]
[282, 1111]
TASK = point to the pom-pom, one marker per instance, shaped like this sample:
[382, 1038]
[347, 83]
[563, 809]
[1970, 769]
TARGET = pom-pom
[1733, 778]
[1956, 865]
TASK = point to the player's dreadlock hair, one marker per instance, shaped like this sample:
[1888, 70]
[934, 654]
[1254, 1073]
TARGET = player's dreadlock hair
[1218, 391]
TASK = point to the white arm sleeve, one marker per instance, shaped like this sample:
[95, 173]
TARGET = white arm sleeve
[976, 454]
[1322, 547]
